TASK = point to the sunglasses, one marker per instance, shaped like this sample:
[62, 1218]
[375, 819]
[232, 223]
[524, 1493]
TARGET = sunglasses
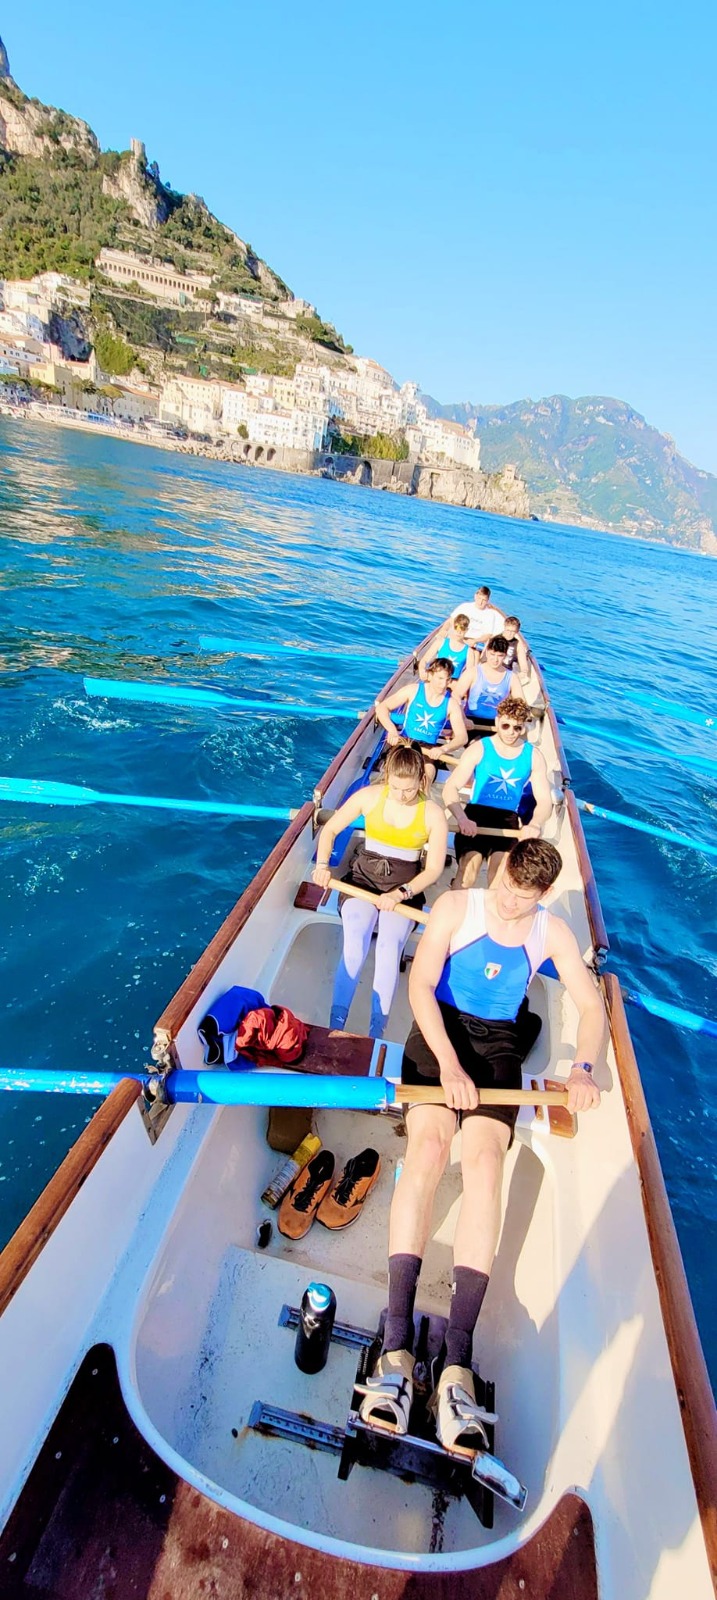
[506, 722]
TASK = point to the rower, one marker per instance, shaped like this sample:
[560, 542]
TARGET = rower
[427, 708]
[483, 619]
[517, 654]
[486, 683]
[472, 1029]
[400, 823]
[451, 644]
[500, 769]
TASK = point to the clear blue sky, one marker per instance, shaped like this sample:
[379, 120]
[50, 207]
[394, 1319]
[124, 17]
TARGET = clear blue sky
[498, 200]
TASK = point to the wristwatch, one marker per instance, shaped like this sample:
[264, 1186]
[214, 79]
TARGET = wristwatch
[585, 1066]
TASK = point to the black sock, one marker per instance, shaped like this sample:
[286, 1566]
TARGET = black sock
[469, 1289]
[402, 1283]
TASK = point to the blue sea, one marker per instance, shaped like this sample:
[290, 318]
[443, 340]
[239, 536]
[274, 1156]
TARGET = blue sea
[116, 557]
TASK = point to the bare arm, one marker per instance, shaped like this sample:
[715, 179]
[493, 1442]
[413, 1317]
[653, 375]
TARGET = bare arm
[516, 688]
[459, 732]
[357, 804]
[460, 778]
[562, 946]
[435, 850]
[426, 970]
[383, 709]
[543, 797]
[430, 655]
[523, 662]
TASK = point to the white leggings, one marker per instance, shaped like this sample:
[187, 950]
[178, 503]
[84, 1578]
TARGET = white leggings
[359, 920]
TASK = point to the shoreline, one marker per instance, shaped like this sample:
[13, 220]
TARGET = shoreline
[34, 412]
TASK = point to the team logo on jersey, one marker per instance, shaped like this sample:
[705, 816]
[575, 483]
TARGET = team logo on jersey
[492, 969]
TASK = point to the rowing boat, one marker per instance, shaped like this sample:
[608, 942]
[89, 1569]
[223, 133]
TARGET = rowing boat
[158, 1438]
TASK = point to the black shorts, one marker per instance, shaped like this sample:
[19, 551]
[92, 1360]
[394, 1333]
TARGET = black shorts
[487, 844]
[492, 1053]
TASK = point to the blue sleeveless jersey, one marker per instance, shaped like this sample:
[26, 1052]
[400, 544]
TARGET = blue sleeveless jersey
[501, 781]
[458, 657]
[423, 722]
[486, 979]
[484, 697]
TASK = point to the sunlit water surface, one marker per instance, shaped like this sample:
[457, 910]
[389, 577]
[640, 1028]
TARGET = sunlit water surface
[115, 557]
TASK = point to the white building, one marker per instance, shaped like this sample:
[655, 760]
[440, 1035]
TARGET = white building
[237, 406]
[436, 440]
[193, 403]
[158, 278]
[292, 430]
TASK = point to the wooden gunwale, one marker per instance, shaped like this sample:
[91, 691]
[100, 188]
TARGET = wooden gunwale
[557, 737]
[598, 931]
[43, 1218]
[37, 1227]
[692, 1383]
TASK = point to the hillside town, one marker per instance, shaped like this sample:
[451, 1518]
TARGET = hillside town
[304, 412]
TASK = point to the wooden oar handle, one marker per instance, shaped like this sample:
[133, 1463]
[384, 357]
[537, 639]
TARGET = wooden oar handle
[363, 894]
[412, 1094]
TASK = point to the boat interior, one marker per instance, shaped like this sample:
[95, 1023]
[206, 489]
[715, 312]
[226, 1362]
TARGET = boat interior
[208, 1341]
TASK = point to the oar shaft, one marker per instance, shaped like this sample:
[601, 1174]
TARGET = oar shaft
[355, 893]
[700, 763]
[173, 695]
[650, 702]
[646, 827]
[25, 791]
[411, 1094]
[662, 1008]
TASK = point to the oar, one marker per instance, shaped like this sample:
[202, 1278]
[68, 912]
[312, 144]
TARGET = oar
[40, 792]
[646, 827]
[220, 1086]
[670, 1013]
[260, 647]
[702, 763]
[170, 695]
[651, 702]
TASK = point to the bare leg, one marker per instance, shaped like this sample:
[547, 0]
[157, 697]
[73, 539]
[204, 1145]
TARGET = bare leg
[496, 864]
[484, 1142]
[468, 868]
[430, 1130]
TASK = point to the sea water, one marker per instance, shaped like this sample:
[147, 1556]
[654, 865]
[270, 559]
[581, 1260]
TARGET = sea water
[114, 559]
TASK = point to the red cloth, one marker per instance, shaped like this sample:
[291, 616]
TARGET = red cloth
[272, 1034]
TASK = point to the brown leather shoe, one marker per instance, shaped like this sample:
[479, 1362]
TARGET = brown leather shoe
[301, 1202]
[345, 1202]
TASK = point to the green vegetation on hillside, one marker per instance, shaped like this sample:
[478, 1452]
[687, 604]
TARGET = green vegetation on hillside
[114, 354]
[382, 446]
[324, 333]
[53, 215]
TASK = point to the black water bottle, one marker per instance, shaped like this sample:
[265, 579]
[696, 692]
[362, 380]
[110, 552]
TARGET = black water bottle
[316, 1321]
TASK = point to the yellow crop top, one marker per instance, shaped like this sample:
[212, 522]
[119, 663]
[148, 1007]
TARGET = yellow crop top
[413, 837]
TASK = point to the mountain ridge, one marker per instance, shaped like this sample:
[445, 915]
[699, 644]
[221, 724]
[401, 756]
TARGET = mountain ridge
[597, 462]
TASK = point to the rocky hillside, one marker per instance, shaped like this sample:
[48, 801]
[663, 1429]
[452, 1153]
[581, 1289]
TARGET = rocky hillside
[598, 462]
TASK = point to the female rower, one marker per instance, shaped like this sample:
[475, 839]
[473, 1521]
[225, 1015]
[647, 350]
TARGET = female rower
[400, 823]
[450, 644]
[486, 683]
[500, 769]
[426, 709]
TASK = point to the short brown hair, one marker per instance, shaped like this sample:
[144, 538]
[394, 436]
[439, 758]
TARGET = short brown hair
[484, 590]
[497, 643]
[533, 864]
[441, 664]
[403, 761]
[515, 621]
[515, 708]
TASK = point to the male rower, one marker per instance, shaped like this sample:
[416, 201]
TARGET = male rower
[485, 682]
[427, 707]
[483, 619]
[472, 1029]
[451, 643]
[517, 655]
[499, 769]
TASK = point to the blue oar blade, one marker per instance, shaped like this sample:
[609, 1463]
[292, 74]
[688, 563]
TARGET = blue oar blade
[646, 827]
[39, 792]
[701, 763]
[22, 790]
[650, 702]
[670, 1013]
[171, 695]
[260, 647]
